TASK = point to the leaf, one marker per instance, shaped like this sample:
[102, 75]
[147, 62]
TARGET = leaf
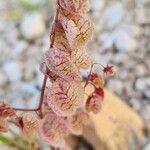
[27, 4]
[46, 71]
[65, 97]
[80, 57]
[30, 125]
[53, 130]
[61, 41]
[59, 63]
[75, 6]
[78, 29]
[5, 140]
[75, 123]
[3, 125]
[96, 80]
[93, 104]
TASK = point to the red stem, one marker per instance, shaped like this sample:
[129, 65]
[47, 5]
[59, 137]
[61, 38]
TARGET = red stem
[87, 81]
[52, 38]
[41, 99]
[52, 34]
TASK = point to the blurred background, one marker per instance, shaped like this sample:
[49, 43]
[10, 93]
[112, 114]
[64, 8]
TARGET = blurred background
[121, 38]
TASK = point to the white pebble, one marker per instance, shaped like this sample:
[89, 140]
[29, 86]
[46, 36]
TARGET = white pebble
[13, 70]
[96, 5]
[142, 84]
[33, 26]
[3, 79]
[147, 146]
[116, 85]
[124, 42]
[113, 15]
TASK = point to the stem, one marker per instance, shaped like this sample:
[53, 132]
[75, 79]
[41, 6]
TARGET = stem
[52, 34]
[87, 81]
[42, 94]
[88, 76]
[41, 99]
[52, 38]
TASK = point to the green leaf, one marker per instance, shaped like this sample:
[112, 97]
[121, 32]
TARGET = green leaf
[5, 140]
[14, 14]
[26, 4]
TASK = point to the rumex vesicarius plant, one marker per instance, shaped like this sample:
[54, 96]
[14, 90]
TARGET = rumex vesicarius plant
[62, 108]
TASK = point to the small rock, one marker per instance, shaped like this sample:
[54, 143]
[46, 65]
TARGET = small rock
[13, 69]
[136, 103]
[147, 94]
[113, 15]
[96, 5]
[147, 147]
[145, 112]
[29, 71]
[120, 58]
[124, 42]
[33, 26]
[39, 79]
[142, 84]
[140, 70]
[106, 40]
[19, 48]
[3, 79]
[115, 85]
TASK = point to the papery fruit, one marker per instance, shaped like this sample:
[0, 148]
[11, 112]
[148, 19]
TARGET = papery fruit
[59, 63]
[29, 124]
[53, 130]
[44, 69]
[81, 58]
[93, 104]
[75, 6]
[78, 30]
[3, 125]
[65, 97]
[75, 123]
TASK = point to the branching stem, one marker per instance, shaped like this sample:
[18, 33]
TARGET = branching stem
[52, 38]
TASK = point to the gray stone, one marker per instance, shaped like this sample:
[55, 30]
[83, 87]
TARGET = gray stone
[115, 85]
[142, 84]
[147, 93]
[147, 147]
[3, 79]
[136, 103]
[113, 15]
[97, 5]
[13, 70]
[124, 42]
[140, 70]
[19, 48]
[33, 26]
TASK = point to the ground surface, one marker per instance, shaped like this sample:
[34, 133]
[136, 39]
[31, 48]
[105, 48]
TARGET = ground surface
[122, 35]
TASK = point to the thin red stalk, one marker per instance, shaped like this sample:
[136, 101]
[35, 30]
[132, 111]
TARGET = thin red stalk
[42, 94]
[88, 76]
[52, 34]
[91, 72]
[52, 37]
[41, 99]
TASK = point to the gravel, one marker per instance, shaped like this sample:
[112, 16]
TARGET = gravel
[33, 26]
[121, 38]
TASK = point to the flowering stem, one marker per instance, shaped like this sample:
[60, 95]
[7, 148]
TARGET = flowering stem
[52, 38]
[52, 34]
[41, 99]
[87, 81]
